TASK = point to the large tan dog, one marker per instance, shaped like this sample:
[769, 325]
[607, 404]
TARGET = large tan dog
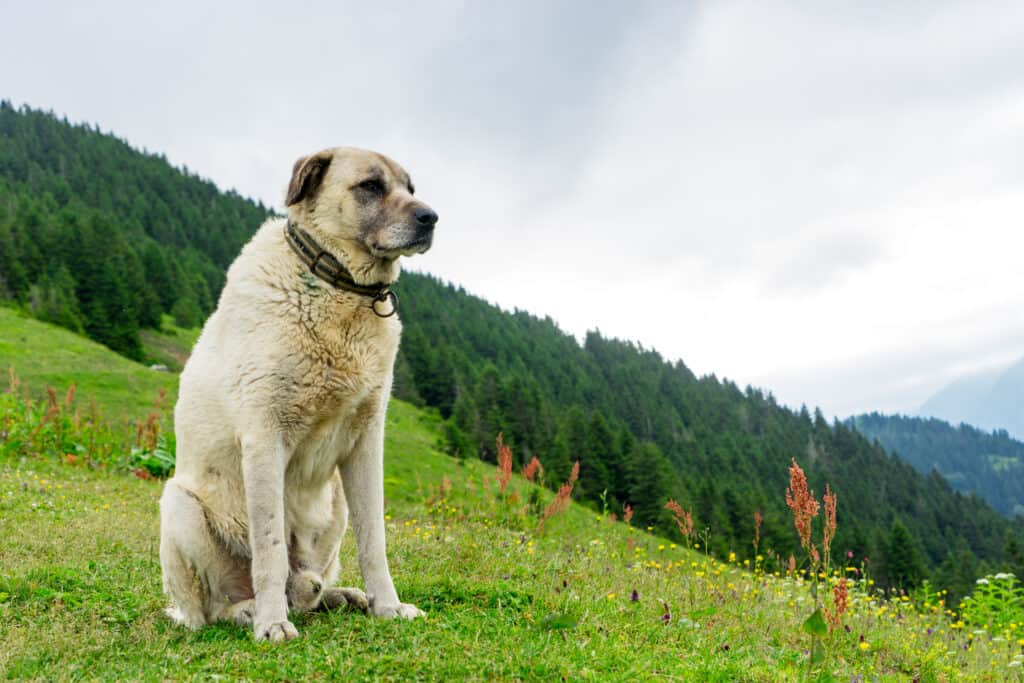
[280, 415]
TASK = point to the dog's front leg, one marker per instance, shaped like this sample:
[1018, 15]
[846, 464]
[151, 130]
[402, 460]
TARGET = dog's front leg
[362, 476]
[263, 465]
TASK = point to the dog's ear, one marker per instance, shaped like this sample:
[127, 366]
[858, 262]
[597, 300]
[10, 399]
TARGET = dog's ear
[307, 174]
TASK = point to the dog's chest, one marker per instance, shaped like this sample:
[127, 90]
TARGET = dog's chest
[347, 378]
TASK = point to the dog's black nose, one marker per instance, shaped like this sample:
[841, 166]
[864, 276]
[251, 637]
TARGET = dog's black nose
[425, 216]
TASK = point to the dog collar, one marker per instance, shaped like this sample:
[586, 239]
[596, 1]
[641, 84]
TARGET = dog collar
[328, 268]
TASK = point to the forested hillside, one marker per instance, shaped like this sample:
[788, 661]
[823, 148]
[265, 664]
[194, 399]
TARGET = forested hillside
[646, 429]
[101, 238]
[990, 464]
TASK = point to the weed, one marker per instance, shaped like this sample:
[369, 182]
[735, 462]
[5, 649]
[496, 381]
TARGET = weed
[995, 604]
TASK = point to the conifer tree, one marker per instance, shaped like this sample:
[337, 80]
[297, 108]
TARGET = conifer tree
[903, 560]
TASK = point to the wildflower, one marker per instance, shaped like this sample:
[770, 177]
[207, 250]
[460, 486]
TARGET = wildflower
[758, 518]
[802, 503]
[532, 469]
[504, 463]
[634, 596]
[627, 513]
[840, 601]
[830, 520]
[865, 645]
[561, 500]
[683, 518]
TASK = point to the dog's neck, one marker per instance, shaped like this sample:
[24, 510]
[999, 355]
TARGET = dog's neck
[364, 268]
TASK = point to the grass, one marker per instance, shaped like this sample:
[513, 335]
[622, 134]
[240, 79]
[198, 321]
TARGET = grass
[586, 599]
[46, 355]
[80, 594]
[170, 345]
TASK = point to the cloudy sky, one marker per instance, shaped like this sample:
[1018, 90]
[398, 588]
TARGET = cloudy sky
[822, 201]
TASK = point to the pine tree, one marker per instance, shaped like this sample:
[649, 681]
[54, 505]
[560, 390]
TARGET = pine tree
[904, 566]
[648, 481]
[54, 300]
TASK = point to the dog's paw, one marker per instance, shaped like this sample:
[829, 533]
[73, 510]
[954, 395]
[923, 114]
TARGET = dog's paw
[345, 598]
[275, 632]
[401, 610]
[304, 590]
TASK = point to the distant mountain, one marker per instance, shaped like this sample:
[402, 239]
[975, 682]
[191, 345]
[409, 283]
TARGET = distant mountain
[972, 461]
[990, 401]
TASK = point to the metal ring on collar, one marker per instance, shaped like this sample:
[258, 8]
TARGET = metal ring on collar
[382, 297]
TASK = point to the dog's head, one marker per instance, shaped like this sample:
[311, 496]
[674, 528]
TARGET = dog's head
[360, 197]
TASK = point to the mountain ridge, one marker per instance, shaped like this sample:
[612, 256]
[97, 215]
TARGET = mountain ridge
[991, 400]
[990, 464]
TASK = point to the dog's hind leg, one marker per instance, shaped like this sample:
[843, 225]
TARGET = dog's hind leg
[203, 580]
[181, 518]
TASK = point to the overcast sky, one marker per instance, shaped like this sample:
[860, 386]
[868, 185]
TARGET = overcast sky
[823, 202]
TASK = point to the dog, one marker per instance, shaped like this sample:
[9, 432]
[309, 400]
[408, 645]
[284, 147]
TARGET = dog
[280, 414]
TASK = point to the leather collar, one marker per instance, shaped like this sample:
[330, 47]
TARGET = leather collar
[328, 268]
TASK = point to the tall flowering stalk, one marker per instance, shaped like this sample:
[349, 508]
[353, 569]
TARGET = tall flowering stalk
[504, 463]
[840, 601]
[758, 519]
[802, 503]
[683, 519]
[830, 525]
[533, 469]
[562, 498]
[805, 508]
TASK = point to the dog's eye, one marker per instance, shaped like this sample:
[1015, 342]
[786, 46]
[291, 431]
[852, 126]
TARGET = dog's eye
[373, 185]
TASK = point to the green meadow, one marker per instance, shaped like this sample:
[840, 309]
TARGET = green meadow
[514, 588]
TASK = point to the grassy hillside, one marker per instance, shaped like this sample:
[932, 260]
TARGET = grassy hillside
[583, 598]
[586, 599]
[46, 355]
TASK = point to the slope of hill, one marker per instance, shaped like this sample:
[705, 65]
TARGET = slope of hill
[42, 355]
[991, 401]
[973, 461]
[582, 599]
[644, 429]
